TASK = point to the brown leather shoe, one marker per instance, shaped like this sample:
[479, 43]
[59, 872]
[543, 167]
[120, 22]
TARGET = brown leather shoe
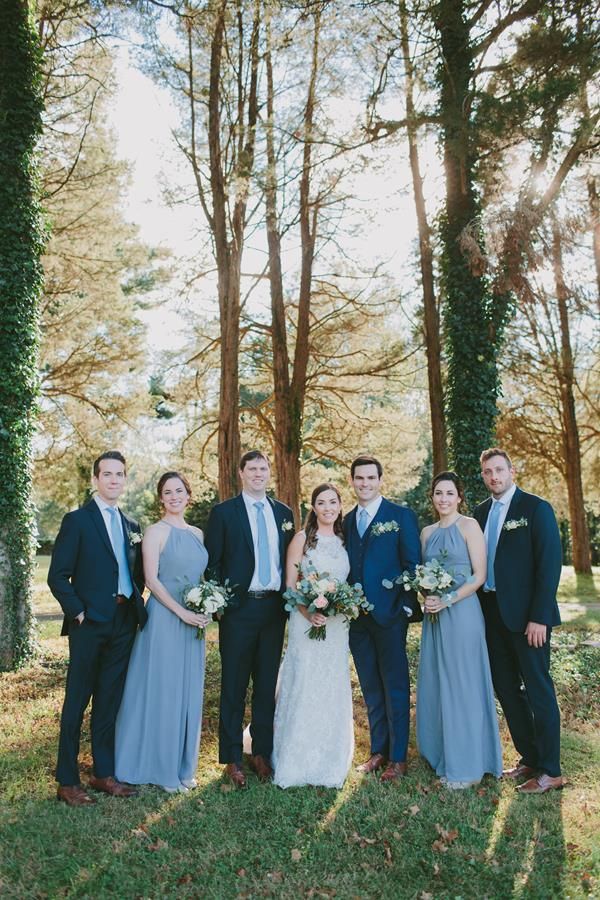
[519, 771]
[394, 771]
[375, 762]
[261, 767]
[74, 795]
[235, 775]
[110, 785]
[542, 784]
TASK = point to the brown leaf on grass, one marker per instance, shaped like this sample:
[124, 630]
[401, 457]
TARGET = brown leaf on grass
[241, 873]
[436, 869]
[158, 845]
[296, 855]
[495, 801]
[276, 877]
[185, 879]
[388, 853]
[425, 896]
[413, 810]
[226, 788]
[140, 832]
[439, 847]
[170, 820]
[362, 841]
[446, 836]
[481, 792]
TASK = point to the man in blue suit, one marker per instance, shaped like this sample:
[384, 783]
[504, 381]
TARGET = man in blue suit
[247, 539]
[382, 540]
[96, 576]
[519, 606]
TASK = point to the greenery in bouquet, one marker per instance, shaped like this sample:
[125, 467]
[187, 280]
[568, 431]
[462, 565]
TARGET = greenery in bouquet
[206, 598]
[430, 578]
[319, 592]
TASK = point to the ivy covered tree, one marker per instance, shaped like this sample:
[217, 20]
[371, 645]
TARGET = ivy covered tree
[21, 240]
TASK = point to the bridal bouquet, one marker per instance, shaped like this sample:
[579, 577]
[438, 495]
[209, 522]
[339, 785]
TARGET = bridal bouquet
[429, 578]
[206, 598]
[319, 592]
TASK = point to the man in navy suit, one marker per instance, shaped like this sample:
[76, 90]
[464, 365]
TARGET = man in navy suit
[382, 540]
[96, 576]
[247, 539]
[519, 605]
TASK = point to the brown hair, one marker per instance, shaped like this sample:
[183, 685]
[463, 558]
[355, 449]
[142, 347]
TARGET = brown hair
[110, 454]
[495, 451]
[311, 525]
[253, 454]
[166, 476]
[453, 477]
[366, 461]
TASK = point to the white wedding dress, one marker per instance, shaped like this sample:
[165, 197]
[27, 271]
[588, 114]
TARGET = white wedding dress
[314, 731]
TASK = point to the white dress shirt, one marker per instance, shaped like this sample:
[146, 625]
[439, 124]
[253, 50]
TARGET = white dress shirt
[104, 507]
[371, 508]
[273, 535]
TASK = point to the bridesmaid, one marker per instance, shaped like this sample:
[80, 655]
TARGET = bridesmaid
[457, 725]
[158, 725]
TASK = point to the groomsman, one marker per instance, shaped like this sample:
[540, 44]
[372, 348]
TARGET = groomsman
[382, 540]
[247, 539]
[96, 576]
[519, 605]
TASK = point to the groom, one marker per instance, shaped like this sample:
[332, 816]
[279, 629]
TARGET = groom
[96, 576]
[519, 606]
[247, 539]
[382, 540]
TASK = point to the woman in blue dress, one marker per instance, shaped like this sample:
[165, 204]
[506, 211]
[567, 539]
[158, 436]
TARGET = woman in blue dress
[159, 722]
[457, 724]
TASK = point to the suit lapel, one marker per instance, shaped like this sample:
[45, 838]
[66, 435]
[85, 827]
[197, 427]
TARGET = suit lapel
[484, 512]
[98, 520]
[511, 513]
[244, 521]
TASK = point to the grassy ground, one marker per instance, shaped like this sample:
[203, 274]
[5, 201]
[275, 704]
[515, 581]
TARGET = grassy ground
[410, 840]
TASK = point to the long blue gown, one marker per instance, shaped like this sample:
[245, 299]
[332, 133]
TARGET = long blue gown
[158, 726]
[457, 724]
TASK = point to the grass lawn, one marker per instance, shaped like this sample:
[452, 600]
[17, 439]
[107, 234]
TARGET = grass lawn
[408, 840]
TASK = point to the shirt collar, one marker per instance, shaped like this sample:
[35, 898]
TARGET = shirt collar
[372, 508]
[103, 505]
[250, 501]
[507, 497]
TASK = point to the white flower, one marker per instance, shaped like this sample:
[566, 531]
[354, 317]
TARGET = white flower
[135, 538]
[429, 582]
[382, 527]
[511, 524]
[286, 525]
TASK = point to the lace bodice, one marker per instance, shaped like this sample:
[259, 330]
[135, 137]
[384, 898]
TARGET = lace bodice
[329, 555]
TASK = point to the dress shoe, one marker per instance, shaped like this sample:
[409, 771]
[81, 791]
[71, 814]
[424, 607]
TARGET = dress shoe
[521, 770]
[394, 771]
[110, 785]
[235, 775]
[542, 784]
[375, 762]
[261, 767]
[74, 795]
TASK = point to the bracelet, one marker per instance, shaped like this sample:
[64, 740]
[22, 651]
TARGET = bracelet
[449, 599]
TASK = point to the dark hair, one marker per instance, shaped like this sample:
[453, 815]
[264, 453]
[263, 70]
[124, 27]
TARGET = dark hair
[110, 454]
[311, 525]
[253, 454]
[366, 461]
[453, 477]
[495, 451]
[166, 476]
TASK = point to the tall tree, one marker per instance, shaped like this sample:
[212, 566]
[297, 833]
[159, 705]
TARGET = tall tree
[20, 284]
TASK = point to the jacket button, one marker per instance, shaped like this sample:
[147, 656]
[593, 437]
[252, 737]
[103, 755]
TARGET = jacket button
[114, 595]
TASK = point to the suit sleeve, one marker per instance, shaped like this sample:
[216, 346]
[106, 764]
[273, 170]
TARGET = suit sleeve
[214, 541]
[410, 543]
[62, 567]
[547, 553]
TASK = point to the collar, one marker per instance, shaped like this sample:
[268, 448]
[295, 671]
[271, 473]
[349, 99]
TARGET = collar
[372, 508]
[505, 498]
[103, 505]
[250, 501]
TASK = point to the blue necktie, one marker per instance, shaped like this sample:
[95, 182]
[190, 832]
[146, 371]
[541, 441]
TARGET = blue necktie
[492, 543]
[264, 558]
[363, 521]
[125, 585]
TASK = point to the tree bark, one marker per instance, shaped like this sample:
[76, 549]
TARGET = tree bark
[595, 224]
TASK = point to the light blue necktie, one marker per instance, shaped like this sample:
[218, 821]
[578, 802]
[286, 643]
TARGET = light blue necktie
[492, 543]
[125, 585]
[363, 521]
[264, 558]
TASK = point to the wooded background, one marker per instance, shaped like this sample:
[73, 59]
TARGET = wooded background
[321, 350]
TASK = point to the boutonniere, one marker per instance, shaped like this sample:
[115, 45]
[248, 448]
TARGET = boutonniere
[511, 524]
[135, 538]
[286, 525]
[383, 527]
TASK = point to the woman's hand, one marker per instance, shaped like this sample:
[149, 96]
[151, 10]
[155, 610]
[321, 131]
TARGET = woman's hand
[192, 618]
[433, 604]
[317, 619]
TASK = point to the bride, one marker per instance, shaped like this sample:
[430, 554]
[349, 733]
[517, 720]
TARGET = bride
[314, 736]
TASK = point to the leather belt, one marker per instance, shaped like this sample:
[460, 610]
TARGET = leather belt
[121, 599]
[262, 595]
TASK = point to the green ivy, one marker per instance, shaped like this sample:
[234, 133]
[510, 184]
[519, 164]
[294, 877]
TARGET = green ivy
[21, 244]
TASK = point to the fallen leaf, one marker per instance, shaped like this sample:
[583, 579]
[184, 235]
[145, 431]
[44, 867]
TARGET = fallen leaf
[276, 877]
[170, 820]
[425, 896]
[439, 847]
[413, 810]
[481, 792]
[296, 855]
[158, 845]
[241, 873]
[226, 788]
[388, 853]
[436, 869]
[185, 879]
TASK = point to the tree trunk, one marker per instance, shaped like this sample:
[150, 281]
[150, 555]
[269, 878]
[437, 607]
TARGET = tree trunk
[595, 222]
[430, 308]
[580, 540]
[20, 283]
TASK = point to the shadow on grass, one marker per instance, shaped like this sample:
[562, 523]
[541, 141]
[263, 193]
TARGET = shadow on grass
[586, 587]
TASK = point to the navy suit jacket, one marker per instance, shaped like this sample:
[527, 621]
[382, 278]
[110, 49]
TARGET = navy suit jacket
[528, 562]
[228, 540]
[84, 573]
[384, 557]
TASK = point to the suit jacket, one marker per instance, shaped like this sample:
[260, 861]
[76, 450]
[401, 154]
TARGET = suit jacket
[528, 562]
[228, 540]
[384, 556]
[84, 573]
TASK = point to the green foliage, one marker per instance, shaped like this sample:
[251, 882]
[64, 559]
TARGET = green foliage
[21, 242]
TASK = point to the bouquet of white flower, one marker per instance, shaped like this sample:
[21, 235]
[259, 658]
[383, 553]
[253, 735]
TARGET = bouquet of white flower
[429, 578]
[319, 592]
[206, 598]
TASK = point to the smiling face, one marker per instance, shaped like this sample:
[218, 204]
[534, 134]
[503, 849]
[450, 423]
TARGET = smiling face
[445, 498]
[174, 496]
[255, 477]
[498, 475]
[327, 507]
[366, 482]
[110, 480]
